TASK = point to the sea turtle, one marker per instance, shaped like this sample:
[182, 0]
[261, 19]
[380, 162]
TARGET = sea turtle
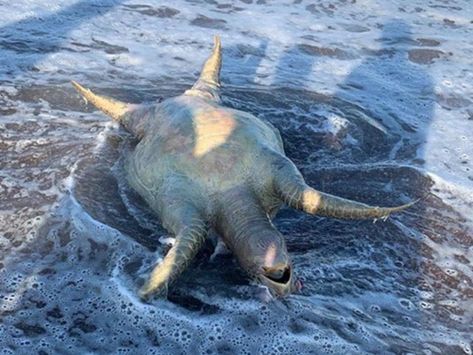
[201, 166]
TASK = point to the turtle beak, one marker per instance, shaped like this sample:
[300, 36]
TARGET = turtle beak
[279, 280]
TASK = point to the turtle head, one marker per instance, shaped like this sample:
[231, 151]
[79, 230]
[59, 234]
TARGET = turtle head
[261, 250]
[266, 257]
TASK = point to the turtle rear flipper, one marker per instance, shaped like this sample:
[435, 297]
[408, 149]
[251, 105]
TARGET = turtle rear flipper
[290, 186]
[182, 218]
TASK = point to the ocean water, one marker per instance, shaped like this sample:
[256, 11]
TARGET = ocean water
[374, 100]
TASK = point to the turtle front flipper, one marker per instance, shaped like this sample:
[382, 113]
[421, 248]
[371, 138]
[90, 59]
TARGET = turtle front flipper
[208, 84]
[290, 186]
[190, 229]
[131, 116]
[111, 107]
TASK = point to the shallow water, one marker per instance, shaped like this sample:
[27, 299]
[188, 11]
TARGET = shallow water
[374, 103]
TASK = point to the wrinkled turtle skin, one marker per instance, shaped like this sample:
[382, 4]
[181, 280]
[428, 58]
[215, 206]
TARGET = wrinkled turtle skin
[200, 165]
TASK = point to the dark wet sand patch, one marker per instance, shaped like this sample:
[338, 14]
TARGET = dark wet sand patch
[109, 48]
[324, 51]
[102, 45]
[229, 7]
[316, 9]
[450, 102]
[424, 56]
[162, 11]
[207, 22]
[438, 6]
[355, 28]
[428, 42]
[448, 22]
